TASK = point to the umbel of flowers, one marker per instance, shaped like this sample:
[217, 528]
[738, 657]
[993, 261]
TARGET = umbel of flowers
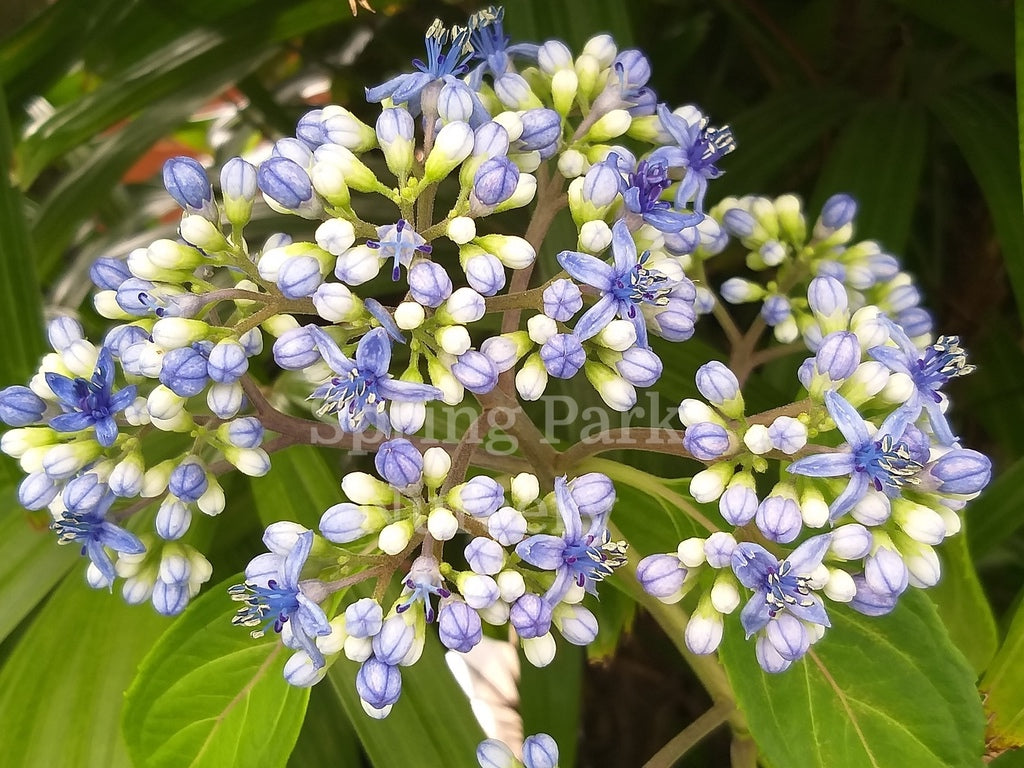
[371, 322]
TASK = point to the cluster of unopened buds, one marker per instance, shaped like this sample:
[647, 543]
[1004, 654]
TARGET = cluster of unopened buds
[870, 475]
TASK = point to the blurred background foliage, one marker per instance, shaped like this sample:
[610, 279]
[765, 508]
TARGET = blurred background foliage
[907, 104]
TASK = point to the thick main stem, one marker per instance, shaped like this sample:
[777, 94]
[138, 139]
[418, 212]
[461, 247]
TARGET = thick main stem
[689, 737]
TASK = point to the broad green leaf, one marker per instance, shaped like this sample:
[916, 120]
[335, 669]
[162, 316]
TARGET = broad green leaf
[539, 20]
[962, 604]
[327, 737]
[61, 688]
[208, 694]
[21, 315]
[1003, 689]
[884, 177]
[981, 121]
[31, 564]
[874, 692]
[550, 699]
[432, 724]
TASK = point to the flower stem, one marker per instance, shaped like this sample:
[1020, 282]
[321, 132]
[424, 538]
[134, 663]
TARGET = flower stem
[689, 737]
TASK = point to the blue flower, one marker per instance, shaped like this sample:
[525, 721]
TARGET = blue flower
[883, 460]
[929, 370]
[421, 584]
[625, 285]
[277, 601]
[362, 388]
[84, 520]
[699, 148]
[90, 403]
[490, 45]
[443, 59]
[398, 242]
[641, 191]
[577, 556]
[780, 585]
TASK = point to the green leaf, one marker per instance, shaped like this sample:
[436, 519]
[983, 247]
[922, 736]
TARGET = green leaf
[1003, 689]
[21, 314]
[327, 737]
[432, 724]
[31, 564]
[210, 695]
[550, 698]
[984, 25]
[962, 604]
[980, 121]
[61, 688]
[884, 177]
[881, 691]
[541, 20]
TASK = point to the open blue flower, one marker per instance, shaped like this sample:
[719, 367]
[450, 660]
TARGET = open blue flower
[423, 583]
[577, 556]
[698, 149]
[929, 369]
[491, 45]
[625, 285]
[275, 601]
[398, 242]
[448, 54]
[84, 520]
[362, 388]
[90, 403]
[780, 585]
[641, 191]
[883, 460]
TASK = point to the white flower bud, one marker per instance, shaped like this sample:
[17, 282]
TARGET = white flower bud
[532, 378]
[465, 306]
[335, 236]
[358, 265]
[514, 252]
[202, 233]
[693, 411]
[442, 524]
[840, 586]
[540, 651]
[461, 230]
[212, 501]
[708, 484]
[335, 303]
[691, 552]
[80, 358]
[249, 461]
[541, 328]
[724, 596]
[162, 403]
[395, 537]
[496, 614]
[618, 335]
[611, 125]
[511, 585]
[177, 332]
[595, 236]
[511, 122]
[919, 522]
[453, 339]
[813, 509]
[898, 389]
[525, 489]
[572, 164]
[452, 145]
[409, 315]
[362, 488]
[756, 439]
[436, 466]
[358, 649]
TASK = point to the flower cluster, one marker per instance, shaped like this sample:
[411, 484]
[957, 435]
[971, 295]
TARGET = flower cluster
[223, 351]
[514, 574]
[884, 484]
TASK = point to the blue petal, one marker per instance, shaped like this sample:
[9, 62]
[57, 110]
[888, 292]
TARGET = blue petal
[568, 510]
[295, 559]
[670, 221]
[106, 431]
[118, 539]
[754, 616]
[542, 551]
[411, 86]
[104, 375]
[63, 387]
[623, 248]
[383, 317]
[940, 425]
[407, 391]
[587, 269]
[808, 555]
[312, 617]
[373, 355]
[71, 422]
[596, 318]
[122, 399]
[676, 127]
[897, 334]
[814, 613]
[896, 423]
[308, 643]
[385, 89]
[94, 549]
[849, 422]
[891, 358]
[331, 352]
[853, 493]
[752, 563]
[823, 465]
[639, 325]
